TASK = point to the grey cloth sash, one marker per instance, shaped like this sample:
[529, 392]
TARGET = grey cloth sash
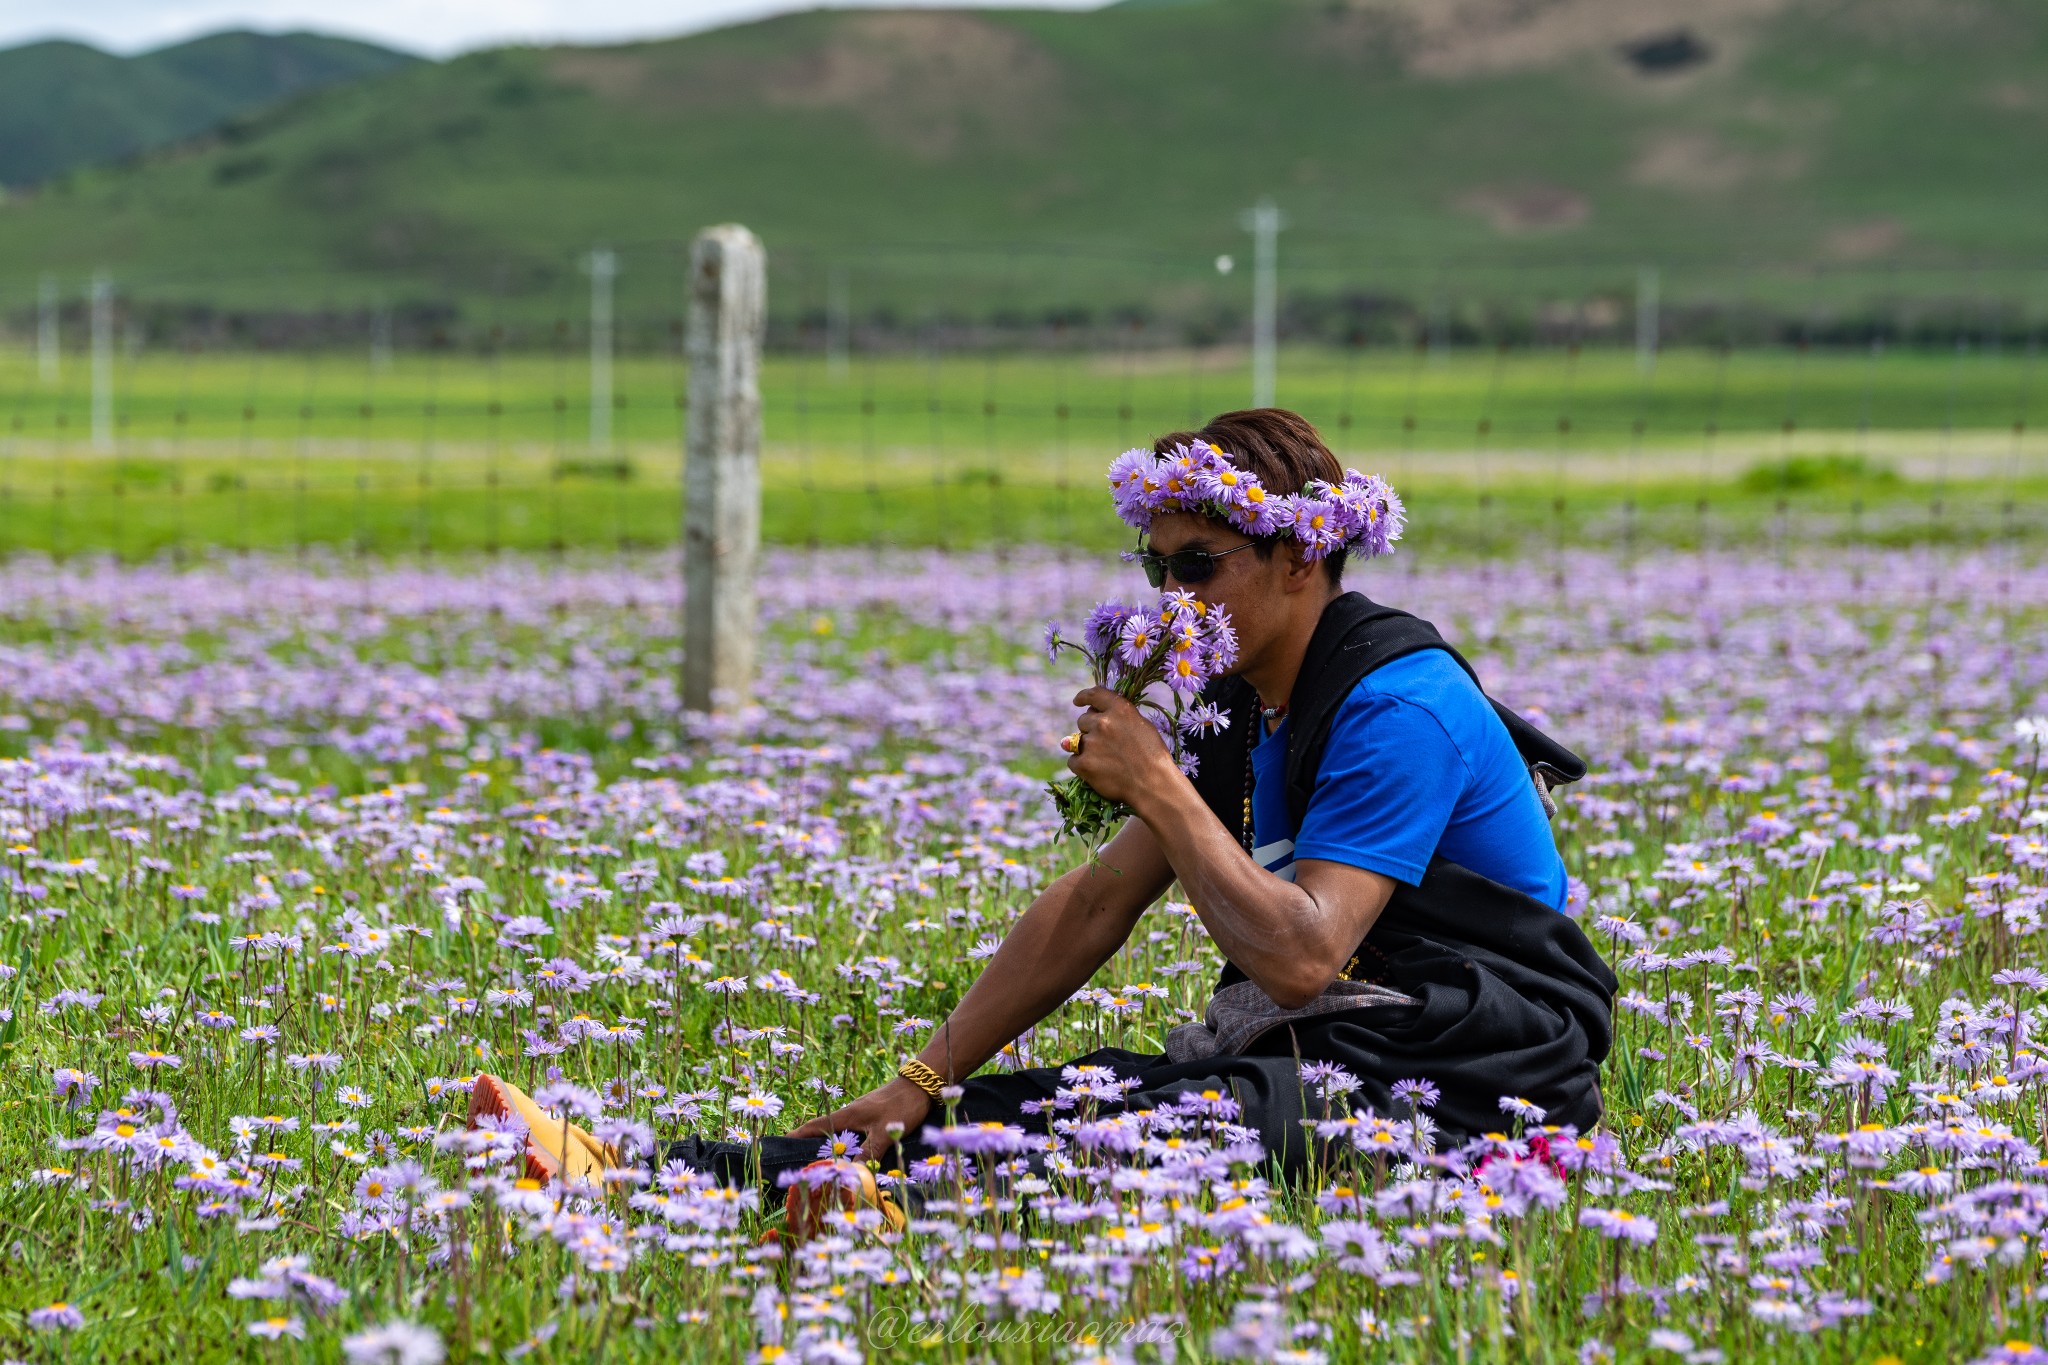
[1239, 1014]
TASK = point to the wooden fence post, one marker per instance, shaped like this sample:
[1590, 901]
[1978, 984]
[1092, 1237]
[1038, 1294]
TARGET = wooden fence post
[722, 471]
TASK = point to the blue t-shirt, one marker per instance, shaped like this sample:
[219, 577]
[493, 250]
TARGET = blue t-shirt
[1418, 764]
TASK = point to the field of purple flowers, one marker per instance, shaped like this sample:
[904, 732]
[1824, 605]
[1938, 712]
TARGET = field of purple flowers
[288, 851]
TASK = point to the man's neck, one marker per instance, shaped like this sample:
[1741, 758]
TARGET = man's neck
[1272, 674]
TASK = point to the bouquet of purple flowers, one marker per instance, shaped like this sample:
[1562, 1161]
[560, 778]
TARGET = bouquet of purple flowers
[1179, 644]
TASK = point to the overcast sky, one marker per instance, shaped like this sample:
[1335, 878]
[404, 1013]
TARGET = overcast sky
[436, 27]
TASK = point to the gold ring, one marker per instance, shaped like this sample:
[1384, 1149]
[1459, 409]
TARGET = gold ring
[1072, 743]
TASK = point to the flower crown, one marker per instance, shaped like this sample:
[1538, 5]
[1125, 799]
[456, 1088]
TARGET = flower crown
[1362, 515]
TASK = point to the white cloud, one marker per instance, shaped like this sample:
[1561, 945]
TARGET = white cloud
[436, 27]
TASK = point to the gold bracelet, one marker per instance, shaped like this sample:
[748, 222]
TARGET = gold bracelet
[921, 1076]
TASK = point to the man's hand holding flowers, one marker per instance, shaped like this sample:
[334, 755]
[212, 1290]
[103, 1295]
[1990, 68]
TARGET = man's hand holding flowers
[1177, 646]
[1121, 754]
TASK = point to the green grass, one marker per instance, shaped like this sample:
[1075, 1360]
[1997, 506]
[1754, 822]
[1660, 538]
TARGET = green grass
[1018, 165]
[1512, 401]
[116, 795]
[457, 451]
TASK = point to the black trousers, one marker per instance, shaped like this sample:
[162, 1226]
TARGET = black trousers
[1270, 1098]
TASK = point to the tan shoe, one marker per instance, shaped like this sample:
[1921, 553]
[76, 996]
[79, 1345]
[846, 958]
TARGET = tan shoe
[554, 1149]
[814, 1207]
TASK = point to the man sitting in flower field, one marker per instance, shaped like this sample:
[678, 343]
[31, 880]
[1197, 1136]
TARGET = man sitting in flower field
[1362, 833]
[1398, 913]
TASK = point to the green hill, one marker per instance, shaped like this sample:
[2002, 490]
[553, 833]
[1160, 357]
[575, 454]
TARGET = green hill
[65, 105]
[1826, 155]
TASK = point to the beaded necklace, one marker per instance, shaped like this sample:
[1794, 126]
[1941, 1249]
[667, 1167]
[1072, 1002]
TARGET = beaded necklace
[1271, 715]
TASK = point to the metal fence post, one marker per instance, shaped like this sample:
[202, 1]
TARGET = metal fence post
[603, 265]
[1647, 325]
[722, 471]
[102, 361]
[47, 305]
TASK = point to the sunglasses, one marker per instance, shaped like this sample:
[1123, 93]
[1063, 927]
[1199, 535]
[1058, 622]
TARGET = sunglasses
[1186, 566]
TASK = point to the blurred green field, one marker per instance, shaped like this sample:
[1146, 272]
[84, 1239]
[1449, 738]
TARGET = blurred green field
[452, 451]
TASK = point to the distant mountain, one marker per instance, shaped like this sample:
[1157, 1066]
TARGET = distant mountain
[940, 164]
[65, 105]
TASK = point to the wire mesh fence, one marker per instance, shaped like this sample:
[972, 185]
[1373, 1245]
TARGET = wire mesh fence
[923, 397]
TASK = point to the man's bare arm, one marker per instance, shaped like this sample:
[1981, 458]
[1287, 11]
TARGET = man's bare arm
[1290, 938]
[1069, 931]
[1052, 951]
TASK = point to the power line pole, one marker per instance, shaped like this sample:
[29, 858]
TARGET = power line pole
[1264, 221]
[102, 361]
[603, 265]
[47, 305]
[1647, 323]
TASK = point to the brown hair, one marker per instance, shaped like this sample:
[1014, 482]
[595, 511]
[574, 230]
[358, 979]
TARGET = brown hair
[1281, 447]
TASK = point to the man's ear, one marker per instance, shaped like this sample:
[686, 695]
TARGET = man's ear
[1301, 571]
